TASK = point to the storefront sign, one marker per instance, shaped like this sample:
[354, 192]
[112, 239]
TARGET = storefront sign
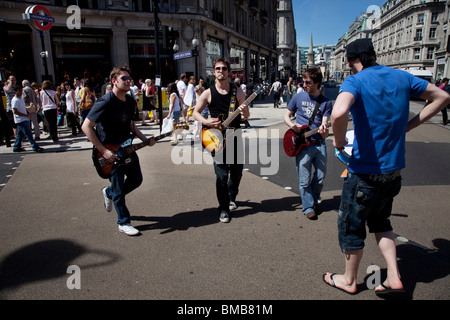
[38, 17]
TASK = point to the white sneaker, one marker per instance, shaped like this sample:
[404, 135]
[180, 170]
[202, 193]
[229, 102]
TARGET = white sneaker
[232, 206]
[128, 229]
[108, 202]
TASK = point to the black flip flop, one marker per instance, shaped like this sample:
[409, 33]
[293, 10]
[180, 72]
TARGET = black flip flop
[332, 284]
[389, 292]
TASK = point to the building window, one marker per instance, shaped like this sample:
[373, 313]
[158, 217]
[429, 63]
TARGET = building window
[432, 33]
[434, 17]
[420, 18]
[417, 54]
[430, 54]
[418, 35]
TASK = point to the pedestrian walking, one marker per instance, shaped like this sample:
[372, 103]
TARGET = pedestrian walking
[32, 104]
[111, 121]
[277, 88]
[8, 89]
[222, 98]
[378, 99]
[174, 109]
[50, 103]
[22, 122]
[313, 110]
[72, 110]
[87, 99]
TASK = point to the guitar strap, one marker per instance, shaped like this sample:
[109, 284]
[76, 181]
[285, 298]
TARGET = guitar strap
[319, 102]
[233, 100]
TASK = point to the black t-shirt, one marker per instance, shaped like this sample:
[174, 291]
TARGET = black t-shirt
[113, 118]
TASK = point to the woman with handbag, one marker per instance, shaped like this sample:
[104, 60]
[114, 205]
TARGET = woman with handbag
[50, 103]
[87, 100]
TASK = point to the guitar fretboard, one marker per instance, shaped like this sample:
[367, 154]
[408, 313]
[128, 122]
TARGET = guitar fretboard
[247, 101]
[314, 131]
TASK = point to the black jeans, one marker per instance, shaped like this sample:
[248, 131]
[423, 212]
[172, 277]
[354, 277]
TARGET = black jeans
[228, 178]
[51, 116]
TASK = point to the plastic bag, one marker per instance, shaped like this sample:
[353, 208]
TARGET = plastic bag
[167, 126]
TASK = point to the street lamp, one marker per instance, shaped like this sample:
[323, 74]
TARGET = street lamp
[176, 47]
[195, 44]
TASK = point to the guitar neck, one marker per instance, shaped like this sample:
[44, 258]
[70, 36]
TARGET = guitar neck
[247, 101]
[314, 131]
[133, 148]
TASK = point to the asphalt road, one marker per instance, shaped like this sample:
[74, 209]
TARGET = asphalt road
[53, 218]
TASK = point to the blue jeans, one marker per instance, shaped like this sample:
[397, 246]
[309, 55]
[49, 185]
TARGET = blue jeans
[310, 184]
[24, 129]
[227, 187]
[366, 198]
[120, 187]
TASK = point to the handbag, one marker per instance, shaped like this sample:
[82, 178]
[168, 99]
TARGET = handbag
[31, 107]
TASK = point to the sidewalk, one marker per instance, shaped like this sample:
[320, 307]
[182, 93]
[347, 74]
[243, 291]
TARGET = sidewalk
[262, 115]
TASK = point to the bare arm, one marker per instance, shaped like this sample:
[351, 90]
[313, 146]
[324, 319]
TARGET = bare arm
[437, 99]
[88, 129]
[241, 99]
[339, 118]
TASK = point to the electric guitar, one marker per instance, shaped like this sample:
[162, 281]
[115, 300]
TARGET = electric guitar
[123, 151]
[294, 142]
[213, 139]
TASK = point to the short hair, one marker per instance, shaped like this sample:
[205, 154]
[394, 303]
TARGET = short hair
[26, 83]
[117, 70]
[223, 60]
[315, 74]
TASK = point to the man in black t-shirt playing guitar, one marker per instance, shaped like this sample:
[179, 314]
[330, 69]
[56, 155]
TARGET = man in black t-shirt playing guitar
[110, 122]
[218, 99]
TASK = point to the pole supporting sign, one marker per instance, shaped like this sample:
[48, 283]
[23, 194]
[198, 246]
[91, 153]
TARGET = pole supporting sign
[38, 17]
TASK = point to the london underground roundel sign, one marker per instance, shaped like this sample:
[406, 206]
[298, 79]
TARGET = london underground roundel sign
[38, 17]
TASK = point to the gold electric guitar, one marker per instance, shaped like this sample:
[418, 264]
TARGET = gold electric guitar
[213, 139]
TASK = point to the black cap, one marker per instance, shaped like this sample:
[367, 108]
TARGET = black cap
[360, 48]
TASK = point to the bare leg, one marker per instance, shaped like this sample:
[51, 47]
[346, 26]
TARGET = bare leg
[347, 281]
[386, 243]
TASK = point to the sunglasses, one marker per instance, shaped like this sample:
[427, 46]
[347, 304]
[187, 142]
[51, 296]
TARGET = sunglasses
[222, 68]
[125, 78]
[308, 82]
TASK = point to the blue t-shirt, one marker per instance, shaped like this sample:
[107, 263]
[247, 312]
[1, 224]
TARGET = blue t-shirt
[303, 106]
[380, 116]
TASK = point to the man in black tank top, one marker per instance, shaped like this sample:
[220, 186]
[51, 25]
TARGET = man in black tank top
[218, 98]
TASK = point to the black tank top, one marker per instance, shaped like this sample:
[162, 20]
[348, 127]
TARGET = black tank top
[220, 105]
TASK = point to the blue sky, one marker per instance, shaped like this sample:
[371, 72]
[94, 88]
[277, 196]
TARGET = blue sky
[327, 20]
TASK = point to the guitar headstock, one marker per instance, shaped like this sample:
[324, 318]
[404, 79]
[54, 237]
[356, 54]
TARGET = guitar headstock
[181, 126]
[263, 88]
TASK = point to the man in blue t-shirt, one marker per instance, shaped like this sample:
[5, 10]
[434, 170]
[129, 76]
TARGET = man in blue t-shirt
[378, 99]
[303, 105]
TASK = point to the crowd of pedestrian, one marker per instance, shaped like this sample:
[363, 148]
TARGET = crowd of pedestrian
[49, 107]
